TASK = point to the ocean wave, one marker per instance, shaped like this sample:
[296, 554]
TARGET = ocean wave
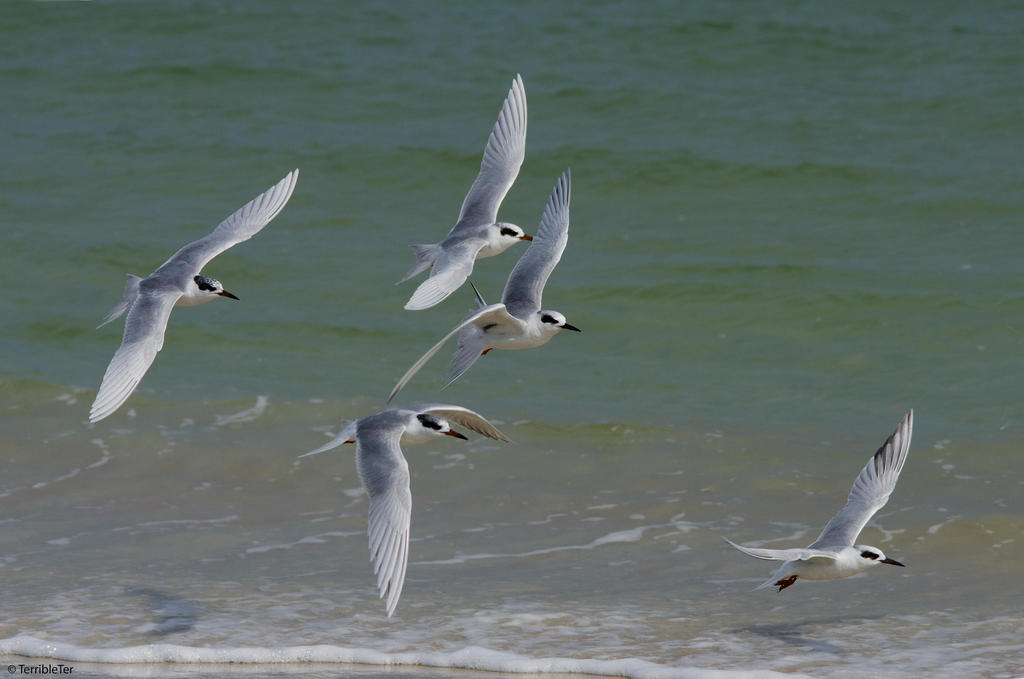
[469, 658]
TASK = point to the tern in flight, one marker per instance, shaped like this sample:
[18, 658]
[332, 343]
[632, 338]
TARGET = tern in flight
[178, 282]
[477, 233]
[385, 475]
[834, 554]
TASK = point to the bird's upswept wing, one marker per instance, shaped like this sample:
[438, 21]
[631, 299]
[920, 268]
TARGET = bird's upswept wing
[495, 313]
[525, 286]
[871, 490]
[143, 337]
[385, 475]
[240, 226]
[503, 156]
[464, 417]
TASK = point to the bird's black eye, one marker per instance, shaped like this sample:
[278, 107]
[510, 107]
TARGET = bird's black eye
[548, 318]
[204, 283]
[505, 231]
[869, 555]
[429, 422]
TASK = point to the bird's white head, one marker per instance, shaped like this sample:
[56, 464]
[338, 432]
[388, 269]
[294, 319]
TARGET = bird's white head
[426, 426]
[869, 556]
[203, 289]
[553, 321]
[504, 236]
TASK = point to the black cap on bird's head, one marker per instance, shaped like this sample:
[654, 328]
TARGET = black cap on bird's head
[212, 286]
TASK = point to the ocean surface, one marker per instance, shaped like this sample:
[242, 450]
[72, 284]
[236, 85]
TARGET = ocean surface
[791, 222]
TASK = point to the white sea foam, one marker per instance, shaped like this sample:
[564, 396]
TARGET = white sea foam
[247, 415]
[469, 658]
[629, 535]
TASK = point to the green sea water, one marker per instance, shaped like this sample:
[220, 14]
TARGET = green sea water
[791, 222]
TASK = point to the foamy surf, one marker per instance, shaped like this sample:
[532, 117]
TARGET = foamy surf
[470, 658]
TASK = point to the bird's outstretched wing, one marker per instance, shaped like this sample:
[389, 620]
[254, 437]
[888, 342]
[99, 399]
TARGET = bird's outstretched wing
[525, 285]
[796, 554]
[495, 313]
[503, 156]
[871, 490]
[451, 269]
[241, 226]
[464, 417]
[385, 475]
[143, 337]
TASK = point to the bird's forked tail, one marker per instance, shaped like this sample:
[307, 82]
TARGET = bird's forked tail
[426, 255]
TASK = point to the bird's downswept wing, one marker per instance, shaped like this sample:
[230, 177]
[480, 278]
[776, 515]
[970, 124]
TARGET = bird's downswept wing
[385, 475]
[871, 490]
[450, 271]
[525, 286]
[245, 223]
[143, 337]
[495, 313]
[503, 156]
[464, 417]
[795, 554]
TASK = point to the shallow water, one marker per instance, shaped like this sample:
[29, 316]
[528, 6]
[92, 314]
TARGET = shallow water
[790, 224]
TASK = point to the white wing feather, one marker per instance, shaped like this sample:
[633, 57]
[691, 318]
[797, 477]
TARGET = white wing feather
[451, 269]
[143, 337]
[525, 286]
[462, 416]
[796, 554]
[503, 156]
[494, 313]
[385, 475]
[246, 222]
[871, 490]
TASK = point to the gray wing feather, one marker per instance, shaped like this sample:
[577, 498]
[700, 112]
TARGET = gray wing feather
[246, 222]
[451, 269]
[495, 311]
[143, 337]
[525, 285]
[871, 490]
[796, 554]
[385, 475]
[503, 156]
[464, 417]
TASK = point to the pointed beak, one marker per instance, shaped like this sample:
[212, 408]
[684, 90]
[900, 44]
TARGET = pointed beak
[225, 293]
[892, 562]
[526, 236]
[571, 327]
[452, 432]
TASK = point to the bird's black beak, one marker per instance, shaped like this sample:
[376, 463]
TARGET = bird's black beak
[526, 236]
[452, 432]
[571, 327]
[892, 562]
[225, 293]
